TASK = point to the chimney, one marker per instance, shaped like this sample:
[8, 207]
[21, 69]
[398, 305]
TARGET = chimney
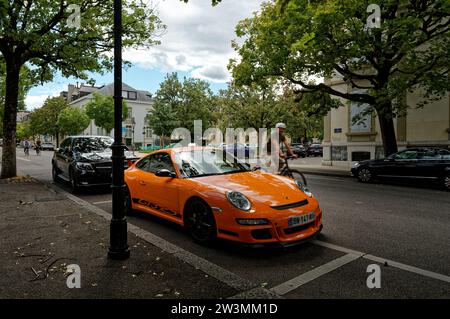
[70, 92]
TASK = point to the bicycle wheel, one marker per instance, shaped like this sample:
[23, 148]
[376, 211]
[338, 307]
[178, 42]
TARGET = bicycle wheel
[295, 175]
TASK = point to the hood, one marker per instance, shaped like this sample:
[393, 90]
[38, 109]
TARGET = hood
[269, 189]
[101, 156]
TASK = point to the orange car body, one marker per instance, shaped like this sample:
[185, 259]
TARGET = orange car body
[275, 198]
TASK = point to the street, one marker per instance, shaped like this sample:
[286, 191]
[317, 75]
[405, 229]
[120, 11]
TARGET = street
[404, 229]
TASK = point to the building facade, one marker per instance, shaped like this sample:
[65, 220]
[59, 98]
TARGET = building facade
[346, 142]
[134, 129]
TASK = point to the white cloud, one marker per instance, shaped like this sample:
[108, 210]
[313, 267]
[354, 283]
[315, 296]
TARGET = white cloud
[198, 38]
[41, 93]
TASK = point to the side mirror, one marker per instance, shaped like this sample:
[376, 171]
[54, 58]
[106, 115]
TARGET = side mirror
[165, 173]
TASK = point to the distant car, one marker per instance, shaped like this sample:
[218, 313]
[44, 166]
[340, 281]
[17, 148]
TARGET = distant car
[86, 161]
[315, 150]
[238, 150]
[298, 149]
[413, 163]
[47, 147]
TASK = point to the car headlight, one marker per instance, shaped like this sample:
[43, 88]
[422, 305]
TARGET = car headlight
[356, 165]
[239, 200]
[304, 188]
[85, 166]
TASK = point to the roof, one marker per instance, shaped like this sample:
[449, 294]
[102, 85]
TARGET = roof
[108, 90]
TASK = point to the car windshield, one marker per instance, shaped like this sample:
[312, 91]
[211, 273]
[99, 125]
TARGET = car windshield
[198, 163]
[92, 144]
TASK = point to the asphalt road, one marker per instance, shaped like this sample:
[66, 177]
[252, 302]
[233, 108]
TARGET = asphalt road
[401, 223]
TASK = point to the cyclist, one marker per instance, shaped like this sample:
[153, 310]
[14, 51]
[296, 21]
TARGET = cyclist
[281, 127]
[26, 147]
[38, 144]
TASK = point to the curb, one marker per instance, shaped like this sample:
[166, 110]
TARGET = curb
[323, 172]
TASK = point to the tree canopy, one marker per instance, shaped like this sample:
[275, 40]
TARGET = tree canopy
[298, 39]
[73, 120]
[44, 35]
[101, 110]
[44, 120]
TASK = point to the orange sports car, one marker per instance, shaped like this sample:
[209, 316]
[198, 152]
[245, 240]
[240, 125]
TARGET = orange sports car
[215, 196]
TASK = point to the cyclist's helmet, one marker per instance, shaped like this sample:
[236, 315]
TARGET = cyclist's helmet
[281, 125]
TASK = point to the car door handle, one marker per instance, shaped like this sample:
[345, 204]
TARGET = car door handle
[142, 183]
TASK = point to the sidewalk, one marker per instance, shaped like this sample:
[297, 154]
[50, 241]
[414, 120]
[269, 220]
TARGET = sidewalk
[43, 230]
[313, 166]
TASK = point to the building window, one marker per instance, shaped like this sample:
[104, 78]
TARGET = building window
[148, 132]
[125, 94]
[132, 95]
[130, 113]
[100, 131]
[128, 131]
[359, 121]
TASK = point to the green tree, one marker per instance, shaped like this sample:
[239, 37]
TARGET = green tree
[41, 34]
[23, 131]
[162, 120]
[44, 120]
[184, 102]
[101, 110]
[73, 120]
[296, 39]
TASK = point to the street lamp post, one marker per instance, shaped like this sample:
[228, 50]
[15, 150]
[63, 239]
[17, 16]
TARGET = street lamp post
[118, 248]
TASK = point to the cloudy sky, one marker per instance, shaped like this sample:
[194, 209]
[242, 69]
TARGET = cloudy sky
[197, 44]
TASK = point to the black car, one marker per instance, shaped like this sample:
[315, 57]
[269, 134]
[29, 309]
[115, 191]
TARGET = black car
[47, 147]
[85, 161]
[417, 163]
[315, 150]
[298, 149]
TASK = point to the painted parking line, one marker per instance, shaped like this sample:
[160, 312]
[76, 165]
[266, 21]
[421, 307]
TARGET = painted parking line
[223, 275]
[311, 275]
[103, 202]
[409, 268]
[239, 283]
[419, 271]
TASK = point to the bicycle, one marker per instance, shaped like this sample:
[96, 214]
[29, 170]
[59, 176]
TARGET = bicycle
[38, 150]
[26, 151]
[292, 173]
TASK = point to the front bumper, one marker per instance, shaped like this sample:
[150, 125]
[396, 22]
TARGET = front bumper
[276, 233]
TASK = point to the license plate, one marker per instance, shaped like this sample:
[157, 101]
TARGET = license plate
[301, 220]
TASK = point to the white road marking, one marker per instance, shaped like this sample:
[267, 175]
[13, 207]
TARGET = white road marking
[227, 277]
[311, 275]
[412, 269]
[416, 270]
[104, 202]
[23, 159]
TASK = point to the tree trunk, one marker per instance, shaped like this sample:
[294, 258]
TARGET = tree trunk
[386, 121]
[10, 120]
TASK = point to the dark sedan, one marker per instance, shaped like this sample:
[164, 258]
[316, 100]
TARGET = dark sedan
[417, 163]
[298, 149]
[315, 150]
[86, 161]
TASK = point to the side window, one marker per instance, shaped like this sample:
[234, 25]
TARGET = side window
[161, 161]
[64, 145]
[443, 154]
[143, 164]
[407, 155]
[156, 162]
[428, 155]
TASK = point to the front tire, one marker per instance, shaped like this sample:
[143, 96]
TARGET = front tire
[55, 173]
[200, 222]
[73, 182]
[128, 208]
[446, 181]
[365, 175]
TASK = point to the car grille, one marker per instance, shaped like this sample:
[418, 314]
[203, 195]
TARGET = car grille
[297, 229]
[292, 205]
